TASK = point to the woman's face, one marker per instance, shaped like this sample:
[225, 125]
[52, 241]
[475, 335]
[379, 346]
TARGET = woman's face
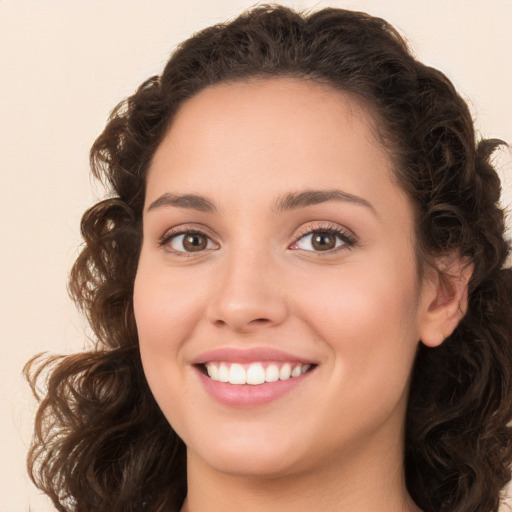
[277, 246]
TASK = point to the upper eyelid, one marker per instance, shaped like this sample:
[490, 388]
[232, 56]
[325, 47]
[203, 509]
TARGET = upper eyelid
[326, 226]
[184, 229]
[350, 238]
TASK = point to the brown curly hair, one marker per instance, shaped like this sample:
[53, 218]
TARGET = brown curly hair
[101, 442]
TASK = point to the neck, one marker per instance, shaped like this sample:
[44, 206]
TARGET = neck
[366, 483]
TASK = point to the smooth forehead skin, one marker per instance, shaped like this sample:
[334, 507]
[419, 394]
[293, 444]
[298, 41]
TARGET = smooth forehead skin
[226, 122]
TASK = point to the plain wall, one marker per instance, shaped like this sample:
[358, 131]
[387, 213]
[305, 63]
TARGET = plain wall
[64, 65]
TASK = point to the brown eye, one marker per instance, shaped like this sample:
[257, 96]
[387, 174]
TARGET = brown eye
[192, 241]
[323, 241]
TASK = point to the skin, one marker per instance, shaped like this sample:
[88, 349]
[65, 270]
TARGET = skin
[358, 311]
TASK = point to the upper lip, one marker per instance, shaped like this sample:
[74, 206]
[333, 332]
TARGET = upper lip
[249, 355]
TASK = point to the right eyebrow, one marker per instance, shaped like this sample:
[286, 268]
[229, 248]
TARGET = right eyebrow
[192, 201]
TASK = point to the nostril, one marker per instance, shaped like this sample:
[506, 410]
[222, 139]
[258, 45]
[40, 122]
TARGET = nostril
[243, 326]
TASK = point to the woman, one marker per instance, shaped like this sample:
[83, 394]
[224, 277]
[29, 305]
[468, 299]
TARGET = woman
[298, 287]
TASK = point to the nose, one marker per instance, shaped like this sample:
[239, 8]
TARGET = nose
[248, 294]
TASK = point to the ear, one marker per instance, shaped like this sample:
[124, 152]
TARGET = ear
[444, 298]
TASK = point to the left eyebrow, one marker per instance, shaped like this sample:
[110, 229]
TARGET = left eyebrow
[305, 198]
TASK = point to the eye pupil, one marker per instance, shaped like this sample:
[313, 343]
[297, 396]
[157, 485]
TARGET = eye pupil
[323, 241]
[194, 242]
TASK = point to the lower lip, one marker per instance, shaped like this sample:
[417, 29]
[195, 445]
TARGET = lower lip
[247, 395]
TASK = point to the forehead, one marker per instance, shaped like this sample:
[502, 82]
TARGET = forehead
[271, 136]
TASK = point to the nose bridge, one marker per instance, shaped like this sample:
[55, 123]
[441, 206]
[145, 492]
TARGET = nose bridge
[248, 292]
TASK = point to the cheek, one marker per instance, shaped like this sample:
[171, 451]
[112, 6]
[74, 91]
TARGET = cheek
[367, 317]
[166, 307]
[166, 317]
[367, 321]
[167, 314]
[360, 298]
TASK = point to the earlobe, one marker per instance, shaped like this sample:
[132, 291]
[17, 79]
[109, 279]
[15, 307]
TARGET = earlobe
[445, 299]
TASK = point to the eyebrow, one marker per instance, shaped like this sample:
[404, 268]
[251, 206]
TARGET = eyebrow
[290, 201]
[191, 201]
[297, 200]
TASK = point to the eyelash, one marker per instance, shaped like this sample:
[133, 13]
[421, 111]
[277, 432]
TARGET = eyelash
[348, 239]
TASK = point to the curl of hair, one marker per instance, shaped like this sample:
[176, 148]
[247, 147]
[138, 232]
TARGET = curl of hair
[101, 443]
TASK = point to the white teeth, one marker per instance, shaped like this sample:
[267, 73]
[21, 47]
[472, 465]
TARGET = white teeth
[254, 374]
[296, 371]
[285, 372]
[223, 373]
[272, 373]
[213, 371]
[237, 374]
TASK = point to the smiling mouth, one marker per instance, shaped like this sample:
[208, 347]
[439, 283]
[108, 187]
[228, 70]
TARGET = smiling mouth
[253, 374]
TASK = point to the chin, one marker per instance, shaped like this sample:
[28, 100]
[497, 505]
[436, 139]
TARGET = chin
[250, 456]
[251, 465]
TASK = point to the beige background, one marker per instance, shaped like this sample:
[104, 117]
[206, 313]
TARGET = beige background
[63, 65]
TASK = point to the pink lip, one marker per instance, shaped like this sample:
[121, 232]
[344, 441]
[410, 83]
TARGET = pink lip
[249, 355]
[248, 395]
